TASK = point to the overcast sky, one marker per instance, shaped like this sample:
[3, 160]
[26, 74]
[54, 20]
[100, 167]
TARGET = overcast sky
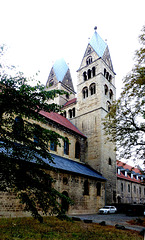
[38, 32]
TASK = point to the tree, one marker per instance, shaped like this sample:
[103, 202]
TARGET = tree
[24, 155]
[125, 122]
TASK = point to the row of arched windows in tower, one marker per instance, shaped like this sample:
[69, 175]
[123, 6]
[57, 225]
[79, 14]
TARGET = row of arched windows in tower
[89, 73]
[107, 75]
[92, 90]
[108, 92]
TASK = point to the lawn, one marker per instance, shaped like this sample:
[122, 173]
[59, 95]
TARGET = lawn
[53, 228]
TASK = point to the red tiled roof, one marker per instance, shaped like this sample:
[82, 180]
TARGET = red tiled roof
[61, 120]
[70, 102]
[126, 166]
[128, 178]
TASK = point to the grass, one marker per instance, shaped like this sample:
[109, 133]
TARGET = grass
[53, 228]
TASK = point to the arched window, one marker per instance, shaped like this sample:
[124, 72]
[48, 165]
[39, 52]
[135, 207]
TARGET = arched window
[18, 127]
[77, 150]
[66, 146]
[110, 94]
[85, 76]
[107, 75]
[105, 89]
[109, 161]
[128, 187]
[93, 71]
[121, 187]
[86, 187]
[51, 83]
[37, 134]
[98, 189]
[64, 203]
[89, 60]
[104, 72]
[108, 106]
[110, 78]
[92, 88]
[67, 95]
[53, 146]
[70, 113]
[89, 73]
[73, 112]
[85, 92]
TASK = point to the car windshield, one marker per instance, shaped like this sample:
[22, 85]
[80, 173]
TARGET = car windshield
[106, 207]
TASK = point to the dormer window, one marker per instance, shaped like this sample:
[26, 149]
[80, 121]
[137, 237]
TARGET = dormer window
[89, 60]
[131, 175]
[136, 177]
[118, 171]
[125, 174]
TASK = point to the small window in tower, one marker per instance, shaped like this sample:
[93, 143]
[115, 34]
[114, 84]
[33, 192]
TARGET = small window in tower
[70, 113]
[106, 89]
[110, 78]
[86, 187]
[110, 94]
[92, 88]
[89, 73]
[67, 95]
[85, 92]
[73, 112]
[51, 83]
[98, 189]
[108, 106]
[89, 60]
[107, 75]
[85, 76]
[93, 71]
[109, 161]
[104, 72]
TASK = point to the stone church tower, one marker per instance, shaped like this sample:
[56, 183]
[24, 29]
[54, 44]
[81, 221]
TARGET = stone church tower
[87, 110]
[95, 93]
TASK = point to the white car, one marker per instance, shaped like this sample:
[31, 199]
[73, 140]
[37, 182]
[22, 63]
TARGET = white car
[107, 209]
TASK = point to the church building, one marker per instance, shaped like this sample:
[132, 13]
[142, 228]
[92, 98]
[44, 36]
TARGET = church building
[86, 161]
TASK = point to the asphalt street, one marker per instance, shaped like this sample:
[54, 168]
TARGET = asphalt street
[111, 219]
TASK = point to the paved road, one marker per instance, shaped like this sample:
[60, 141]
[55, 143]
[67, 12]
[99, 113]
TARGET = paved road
[111, 219]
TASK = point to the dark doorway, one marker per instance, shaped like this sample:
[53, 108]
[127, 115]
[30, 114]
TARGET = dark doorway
[64, 203]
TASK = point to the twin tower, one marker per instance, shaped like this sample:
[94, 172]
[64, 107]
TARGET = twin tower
[88, 108]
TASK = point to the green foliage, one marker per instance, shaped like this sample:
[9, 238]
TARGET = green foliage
[24, 161]
[53, 228]
[125, 123]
